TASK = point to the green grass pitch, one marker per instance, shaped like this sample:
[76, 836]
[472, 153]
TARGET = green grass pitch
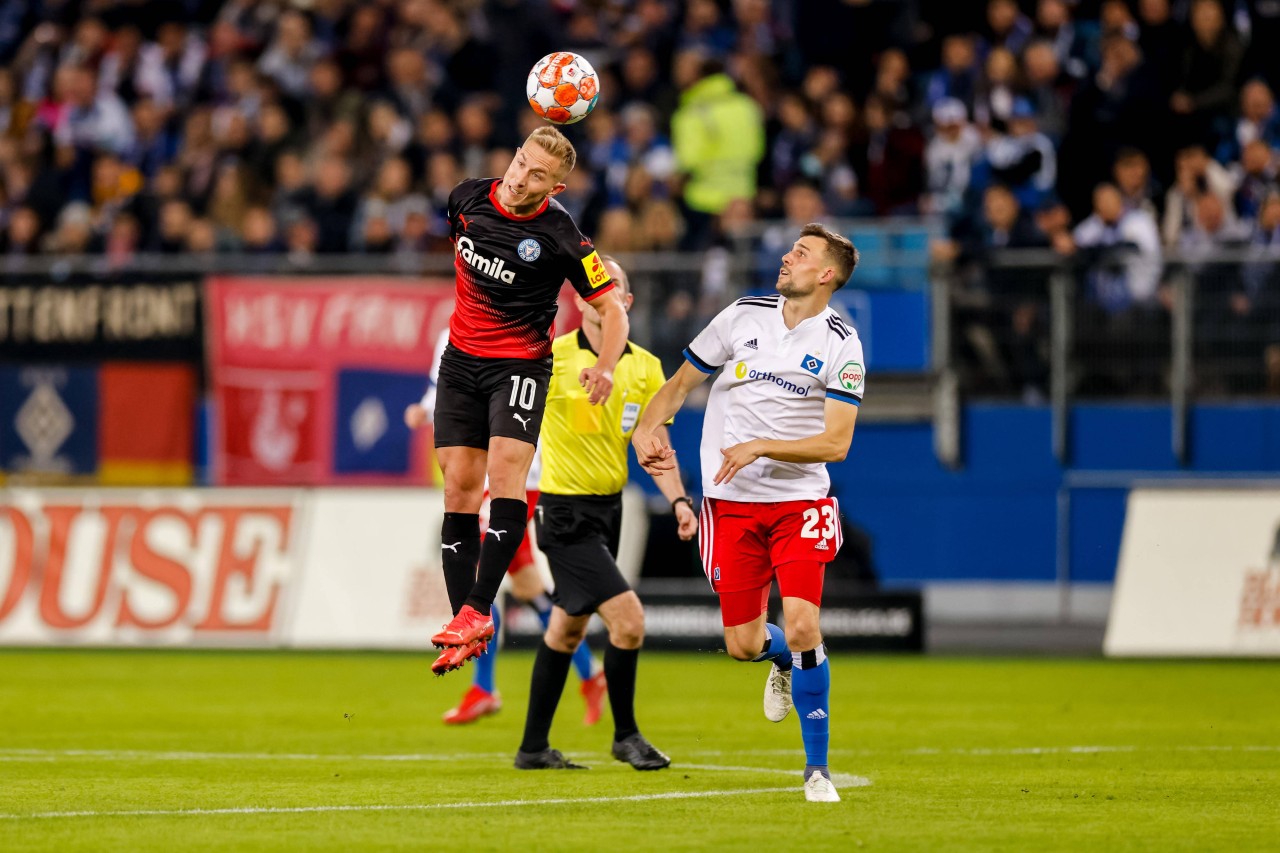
[159, 750]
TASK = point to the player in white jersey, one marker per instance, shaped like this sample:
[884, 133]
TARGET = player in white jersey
[784, 406]
[482, 698]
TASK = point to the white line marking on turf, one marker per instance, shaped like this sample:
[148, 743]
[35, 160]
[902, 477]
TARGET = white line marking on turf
[254, 810]
[177, 755]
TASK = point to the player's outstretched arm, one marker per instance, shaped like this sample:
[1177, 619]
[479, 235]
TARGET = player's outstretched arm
[653, 451]
[830, 445]
[614, 327]
[672, 487]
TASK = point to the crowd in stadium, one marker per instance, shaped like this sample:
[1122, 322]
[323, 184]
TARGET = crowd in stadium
[322, 126]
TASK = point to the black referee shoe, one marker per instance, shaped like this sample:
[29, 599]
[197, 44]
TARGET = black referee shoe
[547, 759]
[639, 753]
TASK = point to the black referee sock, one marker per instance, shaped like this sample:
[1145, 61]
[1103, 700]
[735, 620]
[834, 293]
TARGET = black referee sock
[507, 521]
[550, 671]
[620, 677]
[459, 552]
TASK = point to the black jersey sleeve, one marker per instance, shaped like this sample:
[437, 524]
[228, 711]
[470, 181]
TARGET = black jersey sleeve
[461, 198]
[583, 267]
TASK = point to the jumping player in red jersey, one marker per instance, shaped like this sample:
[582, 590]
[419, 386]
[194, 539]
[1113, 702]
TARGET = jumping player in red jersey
[514, 247]
[482, 698]
[784, 406]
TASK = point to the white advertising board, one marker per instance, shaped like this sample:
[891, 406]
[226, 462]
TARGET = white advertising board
[313, 568]
[1199, 574]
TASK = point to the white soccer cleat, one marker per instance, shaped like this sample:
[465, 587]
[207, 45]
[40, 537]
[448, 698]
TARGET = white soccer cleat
[777, 695]
[820, 790]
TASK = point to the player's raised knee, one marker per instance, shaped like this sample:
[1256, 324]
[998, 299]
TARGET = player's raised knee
[803, 634]
[739, 649]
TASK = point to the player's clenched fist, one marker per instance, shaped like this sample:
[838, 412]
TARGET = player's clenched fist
[653, 455]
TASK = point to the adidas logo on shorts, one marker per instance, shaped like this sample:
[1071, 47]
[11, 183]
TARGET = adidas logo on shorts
[751, 344]
[822, 545]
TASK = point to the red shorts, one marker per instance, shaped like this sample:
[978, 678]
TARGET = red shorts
[744, 546]
[524, 554]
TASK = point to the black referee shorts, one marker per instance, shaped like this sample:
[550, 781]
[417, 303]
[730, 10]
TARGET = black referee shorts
[579, 534]
[478, 398]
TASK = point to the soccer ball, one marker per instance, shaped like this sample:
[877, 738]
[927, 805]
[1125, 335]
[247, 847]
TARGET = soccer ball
[563, 87]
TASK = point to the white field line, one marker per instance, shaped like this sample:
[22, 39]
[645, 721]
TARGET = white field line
[981, 751]
[163, 755]
[45, 755]
[414, 807]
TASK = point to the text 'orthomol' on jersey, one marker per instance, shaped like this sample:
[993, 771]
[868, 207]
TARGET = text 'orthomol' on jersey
[584, 447]
[775, 385]
[510, 270]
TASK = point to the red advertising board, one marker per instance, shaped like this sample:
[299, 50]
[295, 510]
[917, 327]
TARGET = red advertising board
[310, 377]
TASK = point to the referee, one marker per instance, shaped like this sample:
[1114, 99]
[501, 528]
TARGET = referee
[578, 520]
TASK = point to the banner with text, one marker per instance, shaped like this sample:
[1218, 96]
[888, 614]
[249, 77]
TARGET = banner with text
[1199, 574]
[333, 568]
[113, 316]
[311, 377]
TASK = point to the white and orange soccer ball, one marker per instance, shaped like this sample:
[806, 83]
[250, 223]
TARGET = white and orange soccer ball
[563, 87]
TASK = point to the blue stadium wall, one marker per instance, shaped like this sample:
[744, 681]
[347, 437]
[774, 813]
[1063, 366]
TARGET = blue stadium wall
[996, 518]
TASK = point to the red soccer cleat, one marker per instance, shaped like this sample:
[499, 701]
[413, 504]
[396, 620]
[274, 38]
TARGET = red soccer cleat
[594, 690]
[454, 657]
[469, 626]
[476, 704]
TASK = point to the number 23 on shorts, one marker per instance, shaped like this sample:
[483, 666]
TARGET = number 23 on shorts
[820, 528]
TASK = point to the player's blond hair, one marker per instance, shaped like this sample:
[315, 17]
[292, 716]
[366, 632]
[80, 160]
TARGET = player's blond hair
[840, 251]
[557, 145]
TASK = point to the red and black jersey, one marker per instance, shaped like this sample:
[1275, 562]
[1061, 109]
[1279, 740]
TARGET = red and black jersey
[510, 271]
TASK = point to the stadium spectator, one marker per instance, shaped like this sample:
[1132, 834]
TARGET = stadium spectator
[718, 137]
[895, 160]
[331, 205]
[949, 158]
[1073, 47]
[1025, 160]
[1205, 90]
[292, 52]
[1122, 323]
[1118, 107]
[1132, 176]
[997, 89]
[1255, 179]
[1196, 174]
[1047, 87]
[1259, 120]
[959, 75]
[94, 119]
[22, 234]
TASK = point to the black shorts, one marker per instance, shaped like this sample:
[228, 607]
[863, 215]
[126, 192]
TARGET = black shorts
[478, 398]
[579, 534]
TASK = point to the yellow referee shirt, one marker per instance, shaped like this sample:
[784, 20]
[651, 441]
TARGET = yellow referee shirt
[584, 447]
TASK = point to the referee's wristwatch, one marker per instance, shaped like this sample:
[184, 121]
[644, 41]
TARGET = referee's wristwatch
[684, 499]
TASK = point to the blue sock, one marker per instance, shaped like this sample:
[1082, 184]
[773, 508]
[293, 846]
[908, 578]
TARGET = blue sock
[811, 690]
[485, 664]
[583, 663]
[775, 647]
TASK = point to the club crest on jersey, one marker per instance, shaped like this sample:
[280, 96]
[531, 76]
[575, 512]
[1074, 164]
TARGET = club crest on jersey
[811, 364]
[495, 267]
[594, 267]
[529, 250]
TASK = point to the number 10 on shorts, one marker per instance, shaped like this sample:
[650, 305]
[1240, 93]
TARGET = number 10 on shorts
[523, 392]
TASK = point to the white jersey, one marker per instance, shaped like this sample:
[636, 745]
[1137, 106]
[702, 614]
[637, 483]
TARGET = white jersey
[428, 402]
[775, 384]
